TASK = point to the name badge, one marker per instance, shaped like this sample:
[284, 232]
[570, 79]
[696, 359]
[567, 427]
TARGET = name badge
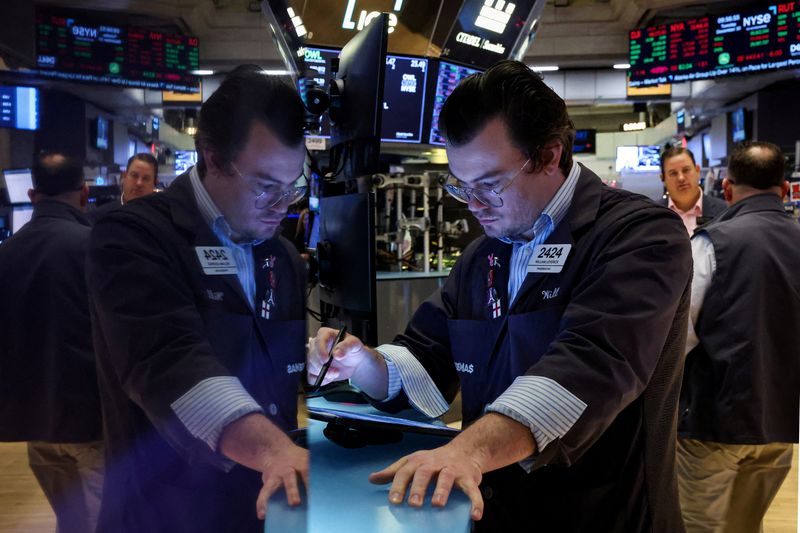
[216, 260]
[549, 258]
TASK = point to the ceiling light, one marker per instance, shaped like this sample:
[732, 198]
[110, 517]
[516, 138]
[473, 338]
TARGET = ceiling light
[543, 68]
[202, 72]
[276, 72]
[622, 66]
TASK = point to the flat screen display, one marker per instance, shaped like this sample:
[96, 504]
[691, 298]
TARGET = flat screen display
[184, 160]
[485, 31]
[101, 133]
[18, 182]
[638, 159]
[450, 75]
[742, 42]
[585, 142]
[79, 46]
[738, 125]
[19, 107]
[20, 216]
[403, 93]
[404, 99]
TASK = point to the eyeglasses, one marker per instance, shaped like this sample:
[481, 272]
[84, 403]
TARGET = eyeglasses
[271, 196]
[488, 197]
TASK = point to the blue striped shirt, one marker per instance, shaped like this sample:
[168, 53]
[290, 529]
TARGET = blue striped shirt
[215, 402]
[539, 403]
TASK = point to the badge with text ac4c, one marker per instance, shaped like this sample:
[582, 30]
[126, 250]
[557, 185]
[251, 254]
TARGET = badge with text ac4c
[216, 260]
[549, 258]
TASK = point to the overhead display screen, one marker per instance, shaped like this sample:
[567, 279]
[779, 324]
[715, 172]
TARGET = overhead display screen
[403, 99]
[19, 107]
[485, 31]
[83, 47]
[450, 75]
[749, 41]
[403, 93]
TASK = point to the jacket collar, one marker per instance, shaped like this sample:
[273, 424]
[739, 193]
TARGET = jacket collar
[49, 208]
[751, 204]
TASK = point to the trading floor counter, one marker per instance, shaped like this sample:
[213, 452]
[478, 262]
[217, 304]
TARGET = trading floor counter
[343, 500]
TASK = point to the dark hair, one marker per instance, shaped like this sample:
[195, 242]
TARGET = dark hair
[144, 157]
[760, 169]
[534, 114]
[245, 96]
[675, 151]
[54, 173]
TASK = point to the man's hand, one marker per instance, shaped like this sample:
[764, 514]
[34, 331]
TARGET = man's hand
[282, 469]
[492, 442]
[451, 466]
[352, 360]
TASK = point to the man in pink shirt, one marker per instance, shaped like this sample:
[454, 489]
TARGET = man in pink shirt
[681, 176]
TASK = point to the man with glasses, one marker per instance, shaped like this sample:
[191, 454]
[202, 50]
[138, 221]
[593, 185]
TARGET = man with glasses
[562, 327]
[198, 311]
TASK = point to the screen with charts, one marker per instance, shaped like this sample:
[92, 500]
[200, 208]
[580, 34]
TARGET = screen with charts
[747, 41]
[449, 76]
[319, 61]
[19, 107]
[18, 182]
[20, 216]
[84, 47]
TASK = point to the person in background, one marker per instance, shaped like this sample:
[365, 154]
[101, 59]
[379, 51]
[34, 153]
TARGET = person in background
[199, 324]
[739, 402]
[563, 327]
[48, 383]
[681, 177]
[139, 179]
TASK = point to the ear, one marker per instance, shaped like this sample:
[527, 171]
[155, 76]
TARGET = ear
[727, 190]
[551, 156]
[84, 194]
[213, 162]
[32, 196]
[785, 189]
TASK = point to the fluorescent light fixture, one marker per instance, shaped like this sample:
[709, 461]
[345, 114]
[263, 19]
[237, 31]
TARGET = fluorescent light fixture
[622, 66]
[277, 72]
[634, 126]
[543, 68]
[202, 72]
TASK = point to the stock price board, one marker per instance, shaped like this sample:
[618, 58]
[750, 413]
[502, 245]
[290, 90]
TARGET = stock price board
[77, 46]
[750, 41]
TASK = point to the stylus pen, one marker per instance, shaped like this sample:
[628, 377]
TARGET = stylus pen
[327, 365]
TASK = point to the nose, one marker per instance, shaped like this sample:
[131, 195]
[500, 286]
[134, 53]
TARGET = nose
[475, 205]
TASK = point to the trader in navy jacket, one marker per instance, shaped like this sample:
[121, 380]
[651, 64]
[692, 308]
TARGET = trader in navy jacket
[562, 327]
[199, 325]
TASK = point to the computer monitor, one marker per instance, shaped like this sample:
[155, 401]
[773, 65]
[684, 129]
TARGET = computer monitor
[450, 75]
[184, 160]
[638, 159]
[357, 101]
[17, 183]
[19, 107]
[20, 216]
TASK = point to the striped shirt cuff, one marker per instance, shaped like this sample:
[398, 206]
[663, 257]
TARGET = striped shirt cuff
[211, 405]
[395, 384]
[422, 392]
[542, 404]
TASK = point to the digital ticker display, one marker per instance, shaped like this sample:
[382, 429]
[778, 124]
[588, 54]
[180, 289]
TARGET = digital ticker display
[450, 75]
[78, 46]
[403, 93]
[755, 40]
[19, 107]
[403, 99]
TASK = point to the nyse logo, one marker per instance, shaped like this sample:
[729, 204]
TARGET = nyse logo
[464, 368]
[495, 15]
[409, 84]
[794, 49]
[756, 20]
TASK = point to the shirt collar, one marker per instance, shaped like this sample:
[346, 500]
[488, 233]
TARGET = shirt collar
[697, 209]
[555, 210]
[209, 210]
